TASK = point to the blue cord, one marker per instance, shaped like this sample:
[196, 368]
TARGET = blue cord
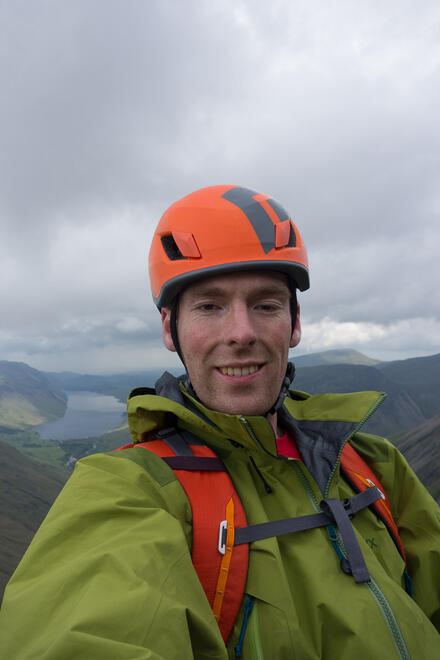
[408, 583]
[247, 610]
[333, 538]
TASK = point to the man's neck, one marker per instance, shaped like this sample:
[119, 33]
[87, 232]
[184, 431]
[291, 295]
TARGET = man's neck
[272, 418]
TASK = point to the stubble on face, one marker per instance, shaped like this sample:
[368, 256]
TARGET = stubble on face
[234, 331]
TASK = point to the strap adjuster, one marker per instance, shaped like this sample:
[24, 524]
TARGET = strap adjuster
[222, 534]
[347, 507]
[373, 484]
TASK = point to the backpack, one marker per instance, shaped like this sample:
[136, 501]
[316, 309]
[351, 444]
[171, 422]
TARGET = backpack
[221, 535]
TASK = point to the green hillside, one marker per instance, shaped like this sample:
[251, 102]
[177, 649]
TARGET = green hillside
[29, 443]
[27, 490]
[26, 397]
[421, 448]
[63, 455]
[75, 449]
[399, 410]
[420, 377]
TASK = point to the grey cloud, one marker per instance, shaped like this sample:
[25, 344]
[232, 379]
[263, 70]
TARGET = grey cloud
[109, 115]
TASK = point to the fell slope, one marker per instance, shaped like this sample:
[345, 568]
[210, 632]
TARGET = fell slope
[27, 491]
[421, 448]
[26, 397]
[398, 412]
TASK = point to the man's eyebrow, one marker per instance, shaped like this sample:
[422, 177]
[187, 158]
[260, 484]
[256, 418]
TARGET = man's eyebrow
[215, 291]
[272, 291]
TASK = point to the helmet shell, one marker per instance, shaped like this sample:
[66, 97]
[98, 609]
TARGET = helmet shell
[223, 229]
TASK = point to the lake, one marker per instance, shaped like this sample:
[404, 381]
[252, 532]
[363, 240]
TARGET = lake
[88, 414]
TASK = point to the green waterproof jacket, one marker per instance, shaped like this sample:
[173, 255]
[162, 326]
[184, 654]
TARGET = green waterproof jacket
[109, 574]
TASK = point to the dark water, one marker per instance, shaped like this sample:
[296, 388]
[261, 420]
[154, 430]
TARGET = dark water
[88, 414]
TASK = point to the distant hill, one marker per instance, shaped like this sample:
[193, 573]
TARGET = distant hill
[338, 356]
[399, 410]
[420, 377]
[76, 449]
[421, 448]
[27, 490]
[117, 385]
[27, 398]
[409, 416]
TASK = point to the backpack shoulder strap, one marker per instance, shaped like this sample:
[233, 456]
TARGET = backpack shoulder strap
[221, 568]
[361, 477]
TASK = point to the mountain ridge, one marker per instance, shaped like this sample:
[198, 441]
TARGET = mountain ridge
[27, 398]
[334, 356]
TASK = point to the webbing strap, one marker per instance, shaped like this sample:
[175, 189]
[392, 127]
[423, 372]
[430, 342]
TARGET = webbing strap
[355, 558]
[194, 463]
[175, 439]
[362, 500]
[226, 561]
[334, 511]
[280, 527]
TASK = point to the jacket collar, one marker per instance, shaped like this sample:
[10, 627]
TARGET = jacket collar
[310, 418]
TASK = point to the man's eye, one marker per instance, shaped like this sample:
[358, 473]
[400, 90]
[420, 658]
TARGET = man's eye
[206, 307]
[267, 307]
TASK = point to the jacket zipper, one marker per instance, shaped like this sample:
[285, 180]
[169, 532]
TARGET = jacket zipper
[376, 592]
[363, 421]
[250, 431]
[338, 544]
[379, 596]
[390, 619]
[333, 532]
[334, 535]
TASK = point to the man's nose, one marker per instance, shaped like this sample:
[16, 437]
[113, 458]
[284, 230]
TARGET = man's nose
[239, 326]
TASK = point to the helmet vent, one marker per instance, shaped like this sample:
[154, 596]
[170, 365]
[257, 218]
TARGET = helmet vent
[285, 234]
[171, 248]
[292, 237]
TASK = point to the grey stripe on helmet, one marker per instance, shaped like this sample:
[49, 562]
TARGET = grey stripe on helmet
[255, 213]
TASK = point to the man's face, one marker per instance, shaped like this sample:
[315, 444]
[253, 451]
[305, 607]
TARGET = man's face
[235, 332]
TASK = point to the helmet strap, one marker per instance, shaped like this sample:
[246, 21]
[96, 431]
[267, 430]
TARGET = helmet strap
[293, 308]
[173, 329]
[288, 378]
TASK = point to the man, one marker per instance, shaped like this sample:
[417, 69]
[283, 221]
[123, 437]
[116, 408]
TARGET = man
[110, 572]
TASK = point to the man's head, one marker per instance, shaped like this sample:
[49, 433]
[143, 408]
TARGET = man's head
[235, 331]
[238, 246]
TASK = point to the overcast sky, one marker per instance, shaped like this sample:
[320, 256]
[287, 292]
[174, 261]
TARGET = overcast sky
[111, 110]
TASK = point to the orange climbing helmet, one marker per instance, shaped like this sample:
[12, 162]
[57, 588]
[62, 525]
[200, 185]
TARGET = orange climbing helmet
[223, 229]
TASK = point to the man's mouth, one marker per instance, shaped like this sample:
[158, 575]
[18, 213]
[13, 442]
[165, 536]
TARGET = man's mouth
[239, 371]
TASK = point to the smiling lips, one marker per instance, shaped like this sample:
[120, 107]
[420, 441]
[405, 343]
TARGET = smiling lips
[238, 371]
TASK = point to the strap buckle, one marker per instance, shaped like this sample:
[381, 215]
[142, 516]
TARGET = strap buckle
[222, 534]
[373, 484]
[347, 507]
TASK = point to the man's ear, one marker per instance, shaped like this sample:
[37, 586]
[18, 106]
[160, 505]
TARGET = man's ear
[296, 334]
[165, 315]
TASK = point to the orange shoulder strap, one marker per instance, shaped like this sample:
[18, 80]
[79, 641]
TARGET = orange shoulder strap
[361, 477]
[222, 570]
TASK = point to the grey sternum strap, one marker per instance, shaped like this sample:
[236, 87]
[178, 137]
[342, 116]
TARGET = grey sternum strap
[333, 511]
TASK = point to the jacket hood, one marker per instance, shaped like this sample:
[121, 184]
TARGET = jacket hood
[326, 419]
